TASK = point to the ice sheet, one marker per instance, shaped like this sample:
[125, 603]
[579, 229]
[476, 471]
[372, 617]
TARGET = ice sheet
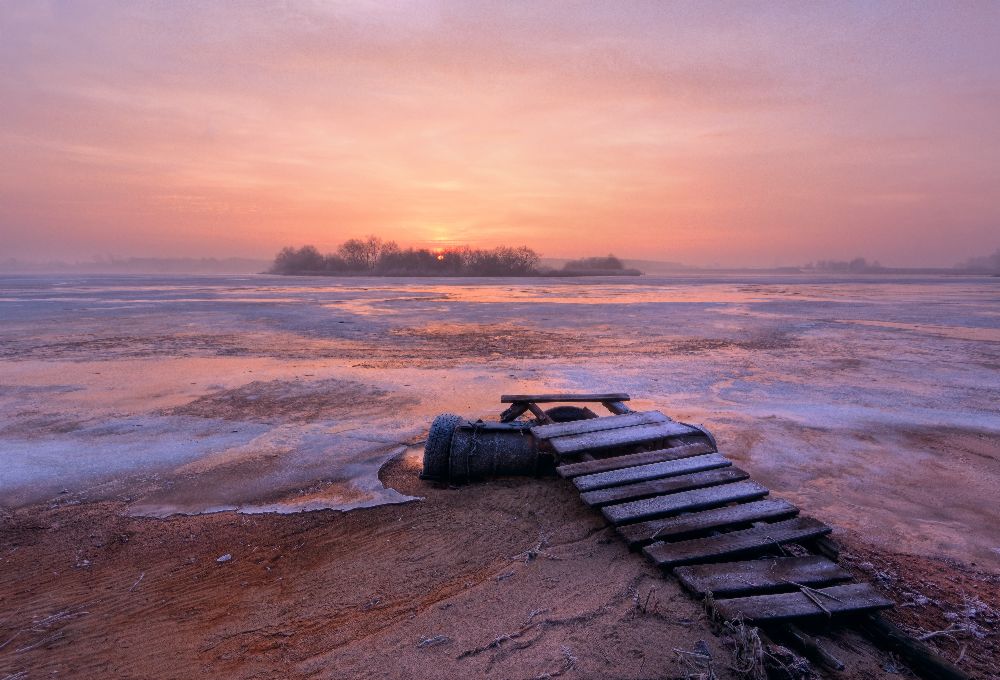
[872, 399]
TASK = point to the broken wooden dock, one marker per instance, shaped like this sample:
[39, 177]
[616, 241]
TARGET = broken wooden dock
[690, 510]
[667, 491]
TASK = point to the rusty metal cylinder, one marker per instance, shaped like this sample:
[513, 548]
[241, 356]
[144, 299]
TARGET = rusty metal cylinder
[486, 450]
[459, 451]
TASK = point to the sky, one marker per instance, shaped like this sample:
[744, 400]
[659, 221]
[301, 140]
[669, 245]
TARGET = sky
[718, 133]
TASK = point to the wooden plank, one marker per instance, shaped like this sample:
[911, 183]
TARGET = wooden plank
[617, 407]
[757, 540]
[921, 658]
[845, 599]
[760, 576]
[607, 439]
[690, 523]
[698, 498]
[686, 501]
[537, 411]
[542, 398]
[812, 647]
[598, 424]
[513, 411]
[641, 473]
[571, 470]
[656, 487]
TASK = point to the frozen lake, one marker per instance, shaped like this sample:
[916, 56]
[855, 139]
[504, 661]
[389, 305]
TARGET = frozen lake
[871, 402]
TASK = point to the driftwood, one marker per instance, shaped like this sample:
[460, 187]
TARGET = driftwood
[919, 656]
[812, 648]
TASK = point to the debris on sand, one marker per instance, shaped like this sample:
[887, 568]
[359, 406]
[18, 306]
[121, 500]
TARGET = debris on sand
[433, 641]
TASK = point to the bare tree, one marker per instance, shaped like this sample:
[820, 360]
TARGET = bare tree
[354, 252]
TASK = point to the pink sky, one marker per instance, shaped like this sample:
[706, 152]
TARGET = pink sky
[723, 133]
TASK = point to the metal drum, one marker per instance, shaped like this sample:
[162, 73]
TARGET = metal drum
[484, 450]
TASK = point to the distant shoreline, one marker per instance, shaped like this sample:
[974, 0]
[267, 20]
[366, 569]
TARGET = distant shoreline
[423, 275]
[236, 267]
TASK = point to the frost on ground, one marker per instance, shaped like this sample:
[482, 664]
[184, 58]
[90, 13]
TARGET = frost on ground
[869, 401]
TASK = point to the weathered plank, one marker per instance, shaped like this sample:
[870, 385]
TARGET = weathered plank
[539, 414]
[656, 487]
[623, 436]
[513, 411]
[617, 407]
[921, 658]
[598, 424]
[543, 398]
[729, 491]
[844, 599]
[571, 470]
[685, 500]
[757, 540]
[641, 473]
[812, 647]
[676, 528]
[760, 576]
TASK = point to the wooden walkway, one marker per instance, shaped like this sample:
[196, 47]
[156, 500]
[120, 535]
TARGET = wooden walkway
[667, 491]
[670, 494]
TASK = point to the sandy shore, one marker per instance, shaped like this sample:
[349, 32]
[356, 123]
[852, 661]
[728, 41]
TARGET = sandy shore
[509, 579]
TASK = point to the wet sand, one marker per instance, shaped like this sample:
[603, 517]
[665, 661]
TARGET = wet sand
[870, 403]
[507, 579]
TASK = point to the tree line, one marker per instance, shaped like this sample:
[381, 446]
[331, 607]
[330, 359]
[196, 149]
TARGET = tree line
[374, 256]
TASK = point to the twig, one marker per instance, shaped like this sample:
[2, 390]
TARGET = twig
[433, 641]
[499, 640]
[949, 631]
[531, 553]
[703, 657]
[44, 624]
[808, 592]
[541, 625]
[535, 612]
[695, 654]
[569, 663]
[51, 618]
[776, 544]
[137, 581]
[814, 595]
[52, 638]
[11, 639]
[748, 649]
[820, 593]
